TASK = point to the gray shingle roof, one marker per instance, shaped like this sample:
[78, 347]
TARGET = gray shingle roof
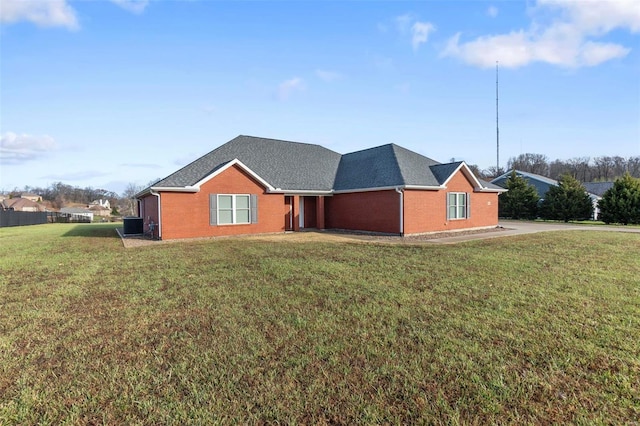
[297, 166]
[285, 165]
[541, 183]
[598, 188]
[384, 166]
[443, 171]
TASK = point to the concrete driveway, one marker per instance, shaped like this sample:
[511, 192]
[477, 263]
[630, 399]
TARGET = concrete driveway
[516, 227]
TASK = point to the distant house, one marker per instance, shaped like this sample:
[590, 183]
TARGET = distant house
[78, 214]
[543, 183]
[30, 196]
[256, 185]
[102, 203]
[99, 210]
[21, 205]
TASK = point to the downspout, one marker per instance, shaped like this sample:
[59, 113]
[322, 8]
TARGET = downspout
[157, 194]
[400, 191]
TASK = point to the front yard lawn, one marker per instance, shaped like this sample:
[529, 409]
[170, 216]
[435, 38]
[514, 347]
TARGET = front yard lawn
[540, 328]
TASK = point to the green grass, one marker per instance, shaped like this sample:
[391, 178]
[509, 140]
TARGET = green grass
[541, 328]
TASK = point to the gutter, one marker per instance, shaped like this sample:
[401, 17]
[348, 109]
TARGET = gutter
[400, 191]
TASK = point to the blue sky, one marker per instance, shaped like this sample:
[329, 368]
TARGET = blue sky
[108, 93]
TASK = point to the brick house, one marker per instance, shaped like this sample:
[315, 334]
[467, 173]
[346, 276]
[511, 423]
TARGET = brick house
[255, 185]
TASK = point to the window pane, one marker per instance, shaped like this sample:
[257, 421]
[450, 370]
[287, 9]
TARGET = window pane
[452, 199]
[242, 216]
[224, 201]
[462, 198]
[461, 212]
[242, 201]
[452, 212]
[225, 216]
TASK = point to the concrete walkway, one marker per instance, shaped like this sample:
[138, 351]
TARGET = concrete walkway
[516, 227]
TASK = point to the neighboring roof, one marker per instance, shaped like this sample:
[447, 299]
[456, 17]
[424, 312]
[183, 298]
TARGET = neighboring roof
[75, 210]
[541, 183]
[293, 166]
[19, 204]
[598, 188]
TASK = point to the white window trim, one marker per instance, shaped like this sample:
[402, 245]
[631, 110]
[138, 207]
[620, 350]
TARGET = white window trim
[457, 206]
[234, 209]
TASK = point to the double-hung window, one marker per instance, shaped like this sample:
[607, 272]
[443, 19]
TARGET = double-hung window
[230, 209]
[457, 205]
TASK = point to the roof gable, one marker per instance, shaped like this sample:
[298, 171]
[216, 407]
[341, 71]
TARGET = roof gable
[282, 164]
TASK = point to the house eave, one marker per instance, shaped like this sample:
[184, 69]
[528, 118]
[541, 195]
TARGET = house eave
[302, 192]
[425, 187]
[498, 191]
[175, 189]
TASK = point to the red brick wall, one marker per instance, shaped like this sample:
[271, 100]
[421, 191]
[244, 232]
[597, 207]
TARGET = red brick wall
[186, 215]
[149, 213]
[426, 211]
[376, 211]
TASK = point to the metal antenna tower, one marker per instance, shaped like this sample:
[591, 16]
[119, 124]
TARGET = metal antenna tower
[497, 127]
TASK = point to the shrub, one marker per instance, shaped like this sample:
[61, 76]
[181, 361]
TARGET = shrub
[520, 201]
[567, 201]
[621, 203]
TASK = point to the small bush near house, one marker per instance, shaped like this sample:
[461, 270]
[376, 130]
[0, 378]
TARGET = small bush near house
[621, 203]
[567, 201]
[520, 201]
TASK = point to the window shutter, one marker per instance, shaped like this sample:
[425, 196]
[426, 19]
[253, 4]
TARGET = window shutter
[213, 209]
[254, 208]
[448, 206]
[468, 205]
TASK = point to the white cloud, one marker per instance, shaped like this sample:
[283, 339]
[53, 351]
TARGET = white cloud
[408, 24]
[133, 6]
[288, 87]
[16, 148]
[43, 13]
[567, 39]
[403, 22]
[328, 76]
[492, 11]
[420, 33]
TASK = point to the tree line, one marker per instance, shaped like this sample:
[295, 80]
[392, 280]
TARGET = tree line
[584, 169]
[59, 195]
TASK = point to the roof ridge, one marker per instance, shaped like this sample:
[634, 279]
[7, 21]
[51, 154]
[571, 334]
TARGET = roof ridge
[395, 157]
[284, 140]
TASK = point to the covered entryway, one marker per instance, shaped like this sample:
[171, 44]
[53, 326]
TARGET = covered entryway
[308, 212]
[303, 212]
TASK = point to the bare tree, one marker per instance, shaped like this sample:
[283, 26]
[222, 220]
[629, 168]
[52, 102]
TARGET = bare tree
[531, 163]
[633, 166]
[128, 205]
[558, 168]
